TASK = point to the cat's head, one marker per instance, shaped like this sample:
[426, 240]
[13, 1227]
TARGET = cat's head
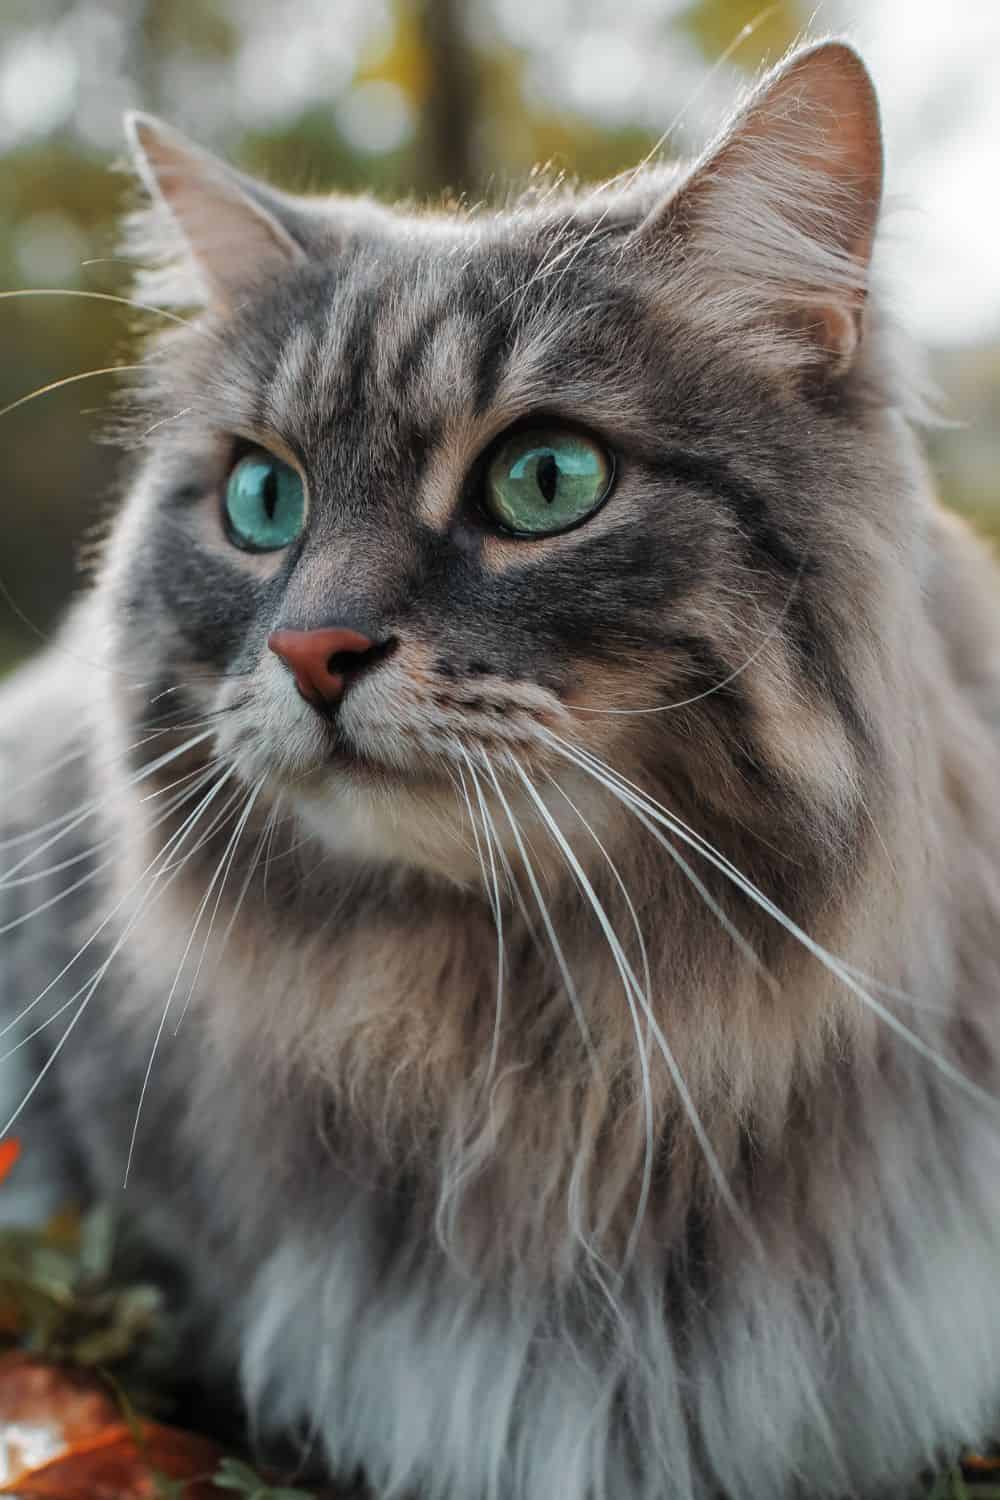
[439, 504]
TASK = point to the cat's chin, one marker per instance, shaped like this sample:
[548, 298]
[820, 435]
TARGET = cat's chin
[363, 810]
[422, 819]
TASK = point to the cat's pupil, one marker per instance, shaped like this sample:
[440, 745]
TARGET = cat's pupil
[270, 494]
[547, 476]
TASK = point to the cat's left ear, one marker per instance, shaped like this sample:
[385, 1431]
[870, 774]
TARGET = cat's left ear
[235, 232]
[777, 221]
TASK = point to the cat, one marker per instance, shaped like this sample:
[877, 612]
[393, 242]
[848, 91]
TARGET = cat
[503, 864]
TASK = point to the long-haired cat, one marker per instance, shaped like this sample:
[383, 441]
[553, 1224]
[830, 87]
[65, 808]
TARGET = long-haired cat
[505, 859]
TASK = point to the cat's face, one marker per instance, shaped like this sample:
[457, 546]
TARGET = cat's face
[432, 499]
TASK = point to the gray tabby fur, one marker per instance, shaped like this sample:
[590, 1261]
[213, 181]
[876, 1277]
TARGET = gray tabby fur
[546, 1241]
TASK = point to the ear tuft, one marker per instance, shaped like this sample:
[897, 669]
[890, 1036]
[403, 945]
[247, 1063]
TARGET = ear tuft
[218, 230]
[779, 216]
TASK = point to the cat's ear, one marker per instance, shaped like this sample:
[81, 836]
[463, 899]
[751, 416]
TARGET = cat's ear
[778, 218]
[233, 232]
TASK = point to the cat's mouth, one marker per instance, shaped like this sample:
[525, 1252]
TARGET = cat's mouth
[345, 757]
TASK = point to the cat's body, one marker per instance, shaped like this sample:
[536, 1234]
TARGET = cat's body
[551, 1243]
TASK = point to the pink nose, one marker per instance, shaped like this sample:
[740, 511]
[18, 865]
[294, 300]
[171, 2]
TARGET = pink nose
[323, 660]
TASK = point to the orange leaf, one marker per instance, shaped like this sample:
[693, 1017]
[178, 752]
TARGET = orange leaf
[10, 1150]
[980, 1463]
[36, 1394]
[112, 1466]
[91, 1453]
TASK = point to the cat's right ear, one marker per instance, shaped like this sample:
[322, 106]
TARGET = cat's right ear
[227, 232]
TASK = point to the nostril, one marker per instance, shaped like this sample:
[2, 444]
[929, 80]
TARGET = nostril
[353, 663]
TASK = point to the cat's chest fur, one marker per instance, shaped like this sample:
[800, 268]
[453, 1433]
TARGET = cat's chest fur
[333, 1286]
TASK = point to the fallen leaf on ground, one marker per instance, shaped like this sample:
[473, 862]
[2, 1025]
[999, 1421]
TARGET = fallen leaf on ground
[62, 1435]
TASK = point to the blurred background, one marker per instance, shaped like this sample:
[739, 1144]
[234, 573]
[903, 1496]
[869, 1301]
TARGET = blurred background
[422, 96]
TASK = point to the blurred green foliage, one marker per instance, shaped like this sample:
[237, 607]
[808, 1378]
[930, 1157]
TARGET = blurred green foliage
[416, 97]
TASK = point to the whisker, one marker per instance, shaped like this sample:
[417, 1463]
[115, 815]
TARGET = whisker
[175, 417]
[567, 978]
[65, 1006]
[511, 882]
[55, 385]
[635, 798]
[149, 769]
[151, 894]
[50, 870]
[644, 999]
[51, 767]
[220, 867]
[228, 856]
[630, 985]
[92, 874]
[163, 854]
[489, 834]
[462, 786]
[717, 687]
[267, 833]
[722, 917]
[60, 291]
[61, 895]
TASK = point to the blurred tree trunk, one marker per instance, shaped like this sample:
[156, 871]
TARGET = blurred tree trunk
[450, 113]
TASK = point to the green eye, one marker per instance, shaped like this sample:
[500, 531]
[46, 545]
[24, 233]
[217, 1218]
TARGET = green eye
[547, 480]
[265, 504]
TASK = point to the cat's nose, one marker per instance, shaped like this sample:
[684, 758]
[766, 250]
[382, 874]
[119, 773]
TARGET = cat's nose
[325, 662]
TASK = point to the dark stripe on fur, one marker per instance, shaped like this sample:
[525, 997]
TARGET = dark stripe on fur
[412, 353]
[746, 502]
[494, 349]
[821, 666]
[703, 671]
[213, 605]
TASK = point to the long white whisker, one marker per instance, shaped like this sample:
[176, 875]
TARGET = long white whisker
[55, 385]
[267, 833]
[147, 770]
[227, 858]
[894, 993]
[178, 802]
[673, 1067]
[152, 893]
[57, 869]
[52, 766]
[461, 783]
[510, 880]
[630, 985]
[241, 824]
[163, 854]
[204, 773]
[489, 834]
[60, 895]
[636, 799]
[543, 911]
[722, 917]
